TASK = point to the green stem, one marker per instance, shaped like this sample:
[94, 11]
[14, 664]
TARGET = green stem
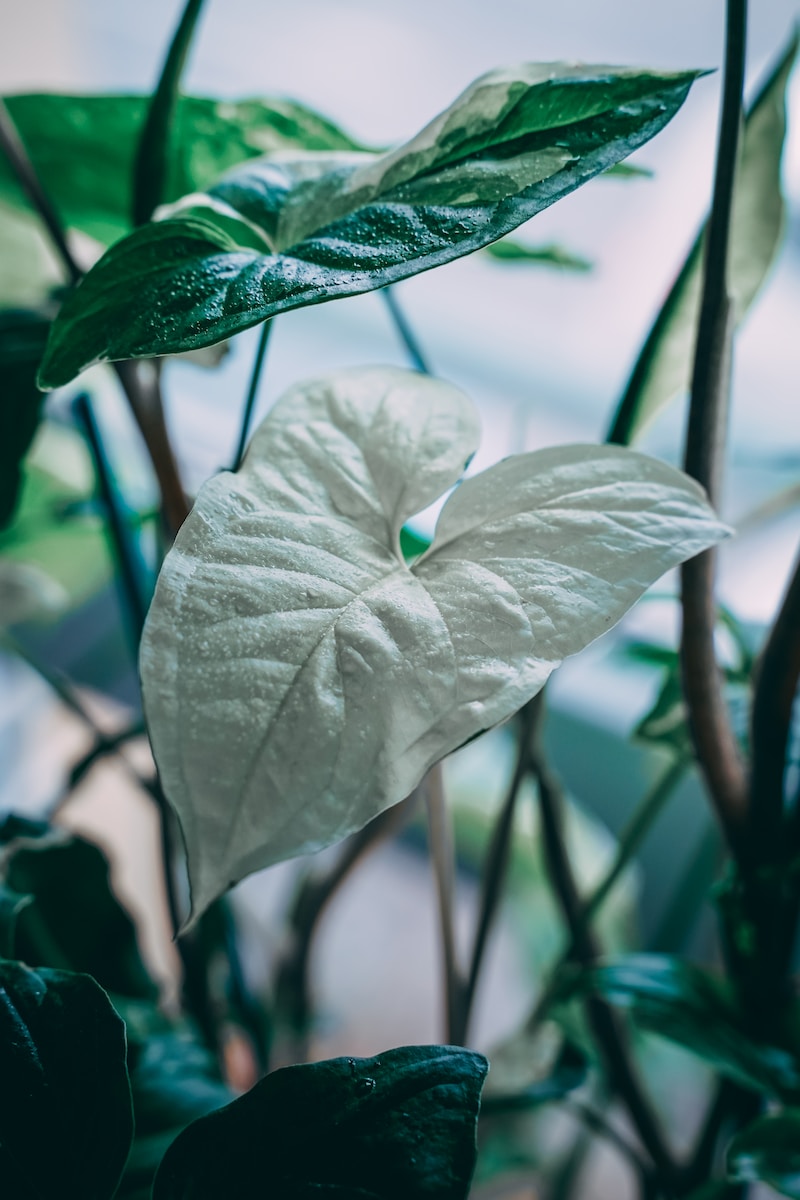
[407, 335]
[442, 852]
[152, 155]
[714, 741]
[252, 392]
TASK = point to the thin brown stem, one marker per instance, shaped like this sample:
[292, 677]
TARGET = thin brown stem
[141, 383]
[714, 740]
[442, 852]
[606, 1027]
[19, 160]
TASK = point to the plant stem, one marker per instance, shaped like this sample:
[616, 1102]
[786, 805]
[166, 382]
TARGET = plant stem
[20, 162]
[714, 741]
[606, 1027]
[252, 392]
[292, 990]
[152, 157]
[141, 383]
[494, 875]
[776, 681]
[597, 1123]
[407, 335]
[442, 852]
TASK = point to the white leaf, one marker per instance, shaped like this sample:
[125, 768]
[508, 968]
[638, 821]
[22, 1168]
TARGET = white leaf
[299, 677]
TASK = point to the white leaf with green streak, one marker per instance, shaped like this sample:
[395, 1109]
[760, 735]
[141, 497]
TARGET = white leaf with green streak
[663, 369]
[291, 230]
[299, 677]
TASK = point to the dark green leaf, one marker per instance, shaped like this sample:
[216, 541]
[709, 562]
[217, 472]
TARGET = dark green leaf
[65, 1106]
[22, 341]
[664, 364]
[151, 166]
[74, 920]
[385, 1128]
[174, 1080]
[512, 144]
[83, 149]
[11, 905]
[510, 250]
[769, 1152]
[684, 1004]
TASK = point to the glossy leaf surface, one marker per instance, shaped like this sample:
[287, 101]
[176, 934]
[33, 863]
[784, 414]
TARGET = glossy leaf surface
[83, 149]
[386, 1128]
[65, 1107]
[286, 618]
[687, 1006]
[664, 366]
[769, 1152]
[292, 231]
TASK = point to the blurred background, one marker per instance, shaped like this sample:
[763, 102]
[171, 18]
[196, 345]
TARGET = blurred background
[545, 353]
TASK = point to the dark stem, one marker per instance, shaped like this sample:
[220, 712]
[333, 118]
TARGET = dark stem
[598, 1123]
[152, 154]
[776, 681]
[20, 162]
[292, 985]
[104, 744]
[130, 568]
[252, 392]
[141, 382]
[407, 335]
[442, 853]
[607, 1030]
[714, 741]
[493, 881]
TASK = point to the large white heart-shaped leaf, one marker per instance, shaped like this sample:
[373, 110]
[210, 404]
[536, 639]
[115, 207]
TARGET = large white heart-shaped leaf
[299, 677]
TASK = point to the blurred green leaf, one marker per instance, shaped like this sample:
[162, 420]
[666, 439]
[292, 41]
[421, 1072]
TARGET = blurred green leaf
[65, 1107]
[680, 1002]
[83, 149]
[280, 234]
[73, 921]
[664, 365]
[31, 273]
[11, 905]
[511, 250]
[386, 1128]
[769, 1152]
[22, 340]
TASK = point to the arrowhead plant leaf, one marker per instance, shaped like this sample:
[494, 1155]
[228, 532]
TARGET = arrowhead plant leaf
[294, 230]
[299, 677]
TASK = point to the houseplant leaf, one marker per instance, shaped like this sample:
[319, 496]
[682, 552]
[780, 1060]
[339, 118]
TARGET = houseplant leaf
[286, 618]
[386, 1128]
[665, 361]
[83, 149]
[768, 1151]
[684, 1004]
[65, 1107]
[291, 231]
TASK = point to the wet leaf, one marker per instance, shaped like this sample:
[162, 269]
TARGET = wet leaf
[286, 617]
[664, 365]
[65, 1107]
[769, 1152]
[386, 1128]
[295, 230]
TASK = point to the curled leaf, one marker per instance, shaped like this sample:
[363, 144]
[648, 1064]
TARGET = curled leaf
[299, 677]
